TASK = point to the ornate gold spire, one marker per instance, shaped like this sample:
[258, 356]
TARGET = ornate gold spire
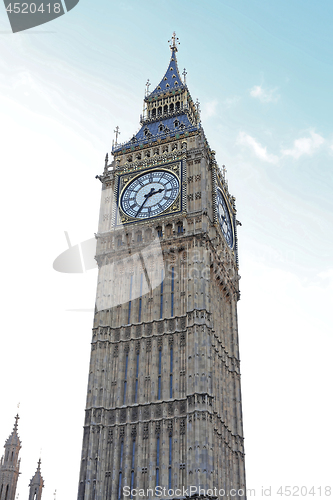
[174, 42]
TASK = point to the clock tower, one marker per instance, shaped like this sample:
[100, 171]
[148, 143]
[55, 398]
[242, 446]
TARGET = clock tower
[163, 412]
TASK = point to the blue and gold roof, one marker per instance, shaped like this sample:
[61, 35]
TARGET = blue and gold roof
[171, 80]
[169, 110]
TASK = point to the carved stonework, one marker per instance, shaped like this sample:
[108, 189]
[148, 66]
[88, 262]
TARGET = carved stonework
[145, 434]
[146, 413]
[166, 363]
[158, 411]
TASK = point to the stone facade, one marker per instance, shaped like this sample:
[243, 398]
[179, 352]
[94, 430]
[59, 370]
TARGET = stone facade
[164, 400]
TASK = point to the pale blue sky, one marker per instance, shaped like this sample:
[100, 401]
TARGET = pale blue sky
[263, 74]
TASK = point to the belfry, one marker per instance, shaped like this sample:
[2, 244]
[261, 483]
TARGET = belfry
[163, 411]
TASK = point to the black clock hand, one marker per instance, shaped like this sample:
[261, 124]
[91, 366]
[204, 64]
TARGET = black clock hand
[146, 198]
[148, 195]
[152, 191]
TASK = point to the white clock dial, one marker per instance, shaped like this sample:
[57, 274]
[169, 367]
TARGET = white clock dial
[224, 219]
[150, 194]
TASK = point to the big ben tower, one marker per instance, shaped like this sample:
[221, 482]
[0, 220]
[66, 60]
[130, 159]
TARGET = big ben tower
[163, 413]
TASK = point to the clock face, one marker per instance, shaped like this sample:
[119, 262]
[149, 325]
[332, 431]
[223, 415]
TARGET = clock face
[224, 219]
[150, 194]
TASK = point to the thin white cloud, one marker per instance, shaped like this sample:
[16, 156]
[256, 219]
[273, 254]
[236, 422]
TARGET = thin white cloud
[209, 109]
[259, 150]
[264, 95]
[231, 101]
[305, 146]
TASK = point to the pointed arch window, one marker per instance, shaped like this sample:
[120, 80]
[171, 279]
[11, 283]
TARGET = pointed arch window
[159, 373]
[136, 377]
[172, 288]
[171, 370]
[161, 303]
[125, 380]
[140, 299]
[120, 470]
[130, 300]
[132, 467]
[170, 462]
[180, 228]
[158, 460]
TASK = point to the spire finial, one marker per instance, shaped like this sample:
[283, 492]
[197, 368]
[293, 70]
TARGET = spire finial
[16, 422]
[116, 131]
[184, 75]
[148, 84]
[174, 42]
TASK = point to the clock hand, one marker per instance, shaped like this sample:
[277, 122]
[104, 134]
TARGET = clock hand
[148, 195]
[152, 191]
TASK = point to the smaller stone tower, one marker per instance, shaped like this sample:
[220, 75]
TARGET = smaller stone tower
[36, 484]
[10, 465]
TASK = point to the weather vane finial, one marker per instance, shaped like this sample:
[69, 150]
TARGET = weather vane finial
[116, 131]
[148, 84]
[16, 422]
[174, 42]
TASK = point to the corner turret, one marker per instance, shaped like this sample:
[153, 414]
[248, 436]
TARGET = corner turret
[10, 465]
[36, 484]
